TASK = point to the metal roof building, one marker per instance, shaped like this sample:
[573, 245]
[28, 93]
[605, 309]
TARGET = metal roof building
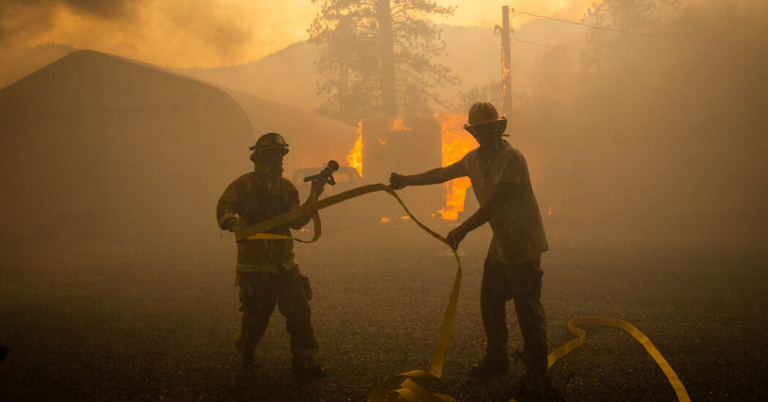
[97, 145]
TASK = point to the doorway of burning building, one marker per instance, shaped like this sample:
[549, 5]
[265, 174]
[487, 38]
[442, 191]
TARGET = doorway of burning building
[407, 145]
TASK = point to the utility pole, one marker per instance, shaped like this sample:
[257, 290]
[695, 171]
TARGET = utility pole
[388, 86]
[506, 63]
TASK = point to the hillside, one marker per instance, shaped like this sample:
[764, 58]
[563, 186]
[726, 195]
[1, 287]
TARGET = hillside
[288, 76]
[473, 55]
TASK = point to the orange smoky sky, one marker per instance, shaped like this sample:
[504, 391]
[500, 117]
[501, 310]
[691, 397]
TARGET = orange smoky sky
[207, 33]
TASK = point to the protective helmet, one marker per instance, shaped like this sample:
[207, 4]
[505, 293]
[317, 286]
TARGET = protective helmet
[270, 141]
[483, 115]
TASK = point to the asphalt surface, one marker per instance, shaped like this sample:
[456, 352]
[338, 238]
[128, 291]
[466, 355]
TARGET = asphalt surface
[156, 320]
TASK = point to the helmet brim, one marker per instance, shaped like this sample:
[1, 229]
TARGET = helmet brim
[501, 123]
[284, 149]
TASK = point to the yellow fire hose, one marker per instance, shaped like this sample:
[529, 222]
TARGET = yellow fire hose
[409, 390]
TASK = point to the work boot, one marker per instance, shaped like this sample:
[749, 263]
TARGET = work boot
[305, 367]
[537, 385]
[249, 361]
[248, 355]
[492, 363]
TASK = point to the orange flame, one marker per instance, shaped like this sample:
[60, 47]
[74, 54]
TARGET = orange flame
[385, 220]
[355, 157]
[504, 71]
[456, 143]
[397, 125]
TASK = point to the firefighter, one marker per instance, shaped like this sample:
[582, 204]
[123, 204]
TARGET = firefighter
[267, 271]
[499, 176]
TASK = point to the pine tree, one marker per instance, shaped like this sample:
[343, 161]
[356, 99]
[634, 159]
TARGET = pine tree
[376, 57]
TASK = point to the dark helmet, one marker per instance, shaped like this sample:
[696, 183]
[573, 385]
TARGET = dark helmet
[482, 117]
[270, 141]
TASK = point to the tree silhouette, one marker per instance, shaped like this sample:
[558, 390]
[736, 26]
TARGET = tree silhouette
[376, 57]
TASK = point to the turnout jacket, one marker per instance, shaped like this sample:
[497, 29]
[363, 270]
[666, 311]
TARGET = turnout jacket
[253, 198]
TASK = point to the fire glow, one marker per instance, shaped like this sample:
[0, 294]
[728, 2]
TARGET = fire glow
[397, 125]
[456, 143]
[355, 157]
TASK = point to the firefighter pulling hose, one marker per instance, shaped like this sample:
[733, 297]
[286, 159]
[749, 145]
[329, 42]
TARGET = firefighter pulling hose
[500, 178]
[410, 388]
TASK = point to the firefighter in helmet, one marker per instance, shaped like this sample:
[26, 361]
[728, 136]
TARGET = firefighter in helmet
[500, 179]
[267, 271]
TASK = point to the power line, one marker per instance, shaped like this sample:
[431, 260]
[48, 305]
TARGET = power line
[558, 48]
[591, 26]
[620, 30]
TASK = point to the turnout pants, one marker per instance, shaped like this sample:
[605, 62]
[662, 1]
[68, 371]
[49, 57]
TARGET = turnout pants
[289, 290]
[521, 283]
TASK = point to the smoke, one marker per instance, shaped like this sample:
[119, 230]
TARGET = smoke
[25, 18]
[204, 33]
[658, 138]
[487, 13]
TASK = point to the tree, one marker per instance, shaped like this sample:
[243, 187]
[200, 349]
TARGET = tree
[376, 57]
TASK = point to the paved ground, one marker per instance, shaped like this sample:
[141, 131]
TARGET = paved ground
[155, 323]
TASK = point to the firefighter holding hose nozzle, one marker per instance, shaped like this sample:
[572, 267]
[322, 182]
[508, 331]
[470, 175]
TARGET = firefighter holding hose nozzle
[267, 271]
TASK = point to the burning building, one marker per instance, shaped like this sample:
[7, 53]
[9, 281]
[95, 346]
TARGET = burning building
[410, 145]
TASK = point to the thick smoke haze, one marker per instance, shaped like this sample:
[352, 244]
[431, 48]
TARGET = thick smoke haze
[167, 33]
[656, 139]
[205, 33]
[647, 155]
[651, 137]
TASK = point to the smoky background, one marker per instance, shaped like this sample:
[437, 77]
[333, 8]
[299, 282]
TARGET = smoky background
[652, 138]
[646, 152]
[656, 136]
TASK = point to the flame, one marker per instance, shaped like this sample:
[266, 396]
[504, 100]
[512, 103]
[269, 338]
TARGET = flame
[397, 125]
[385, 220]
[504, 73]
[405, 217]
[382, 142]
[550, 211]
[456, 143]
[355, 157]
